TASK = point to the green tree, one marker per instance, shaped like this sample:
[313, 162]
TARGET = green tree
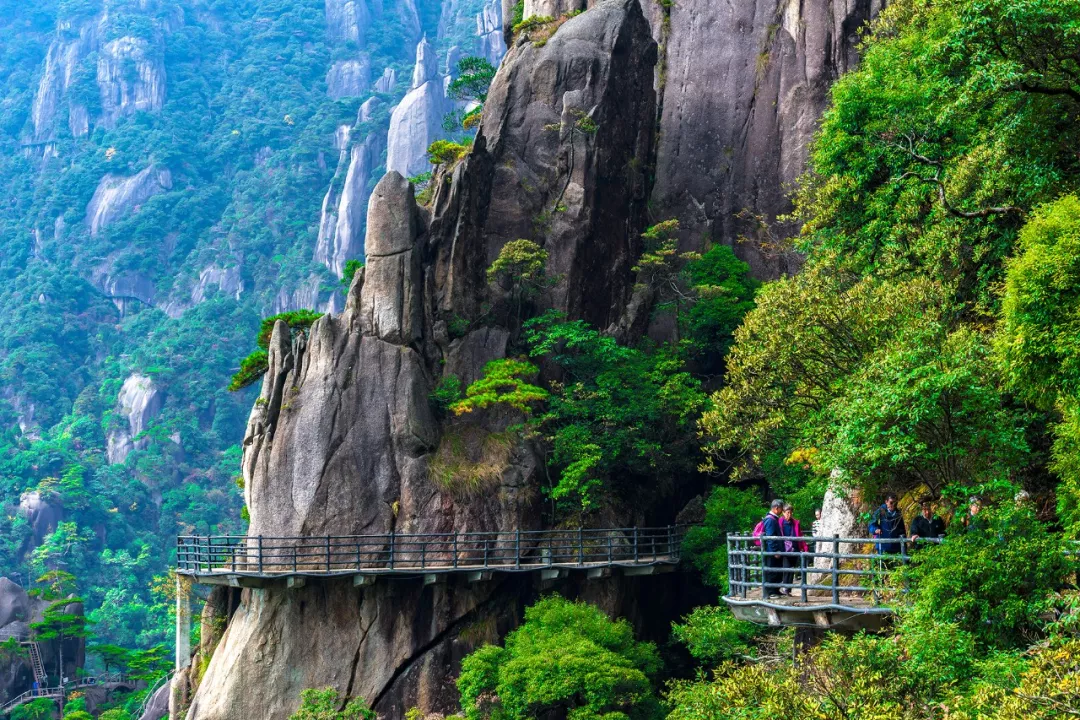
[504, 382]
[40, 709]
[567, 658]
[351, 268]
[996, 582]
[723, 294]
[474, 76]
[255, 365]
[327, 705]
[621, 420]
[521, 271]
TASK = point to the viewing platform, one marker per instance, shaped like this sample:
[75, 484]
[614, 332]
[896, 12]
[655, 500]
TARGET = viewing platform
[839, 583]
[242, 561]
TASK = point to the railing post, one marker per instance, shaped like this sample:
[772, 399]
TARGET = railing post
[744, 573]
[517, 549]
[423, 554]
[580, 547]
[485, 551]
[260, 555]
[609, 548]
[455, 550]
[836, 570]
[802, 574]
[358, 561]
[635, 544]
[764, 590]
[391, 549]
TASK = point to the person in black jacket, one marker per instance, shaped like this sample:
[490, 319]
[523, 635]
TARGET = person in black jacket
[888, 523]
[927, 525]
[774, 561]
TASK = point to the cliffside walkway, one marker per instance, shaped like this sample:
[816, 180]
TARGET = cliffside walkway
[243, 561]
[106, 681]
[840, 583]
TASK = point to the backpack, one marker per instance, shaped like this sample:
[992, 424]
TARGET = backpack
[759, 530]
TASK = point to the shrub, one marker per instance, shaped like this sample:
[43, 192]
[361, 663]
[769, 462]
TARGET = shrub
[566, 658]
[446, 152]
[324, 704]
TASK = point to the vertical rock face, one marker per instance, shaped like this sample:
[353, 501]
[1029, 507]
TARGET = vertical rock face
[342, 438]
[117, 196]
[490, 31]
[744, 86]
[42, 512]
[131, 78]
[555, 8]
[417, 120]
[344, 212]
[139, 402]
[561, 155]
[348, 78]
[346, 21]
[61, 62]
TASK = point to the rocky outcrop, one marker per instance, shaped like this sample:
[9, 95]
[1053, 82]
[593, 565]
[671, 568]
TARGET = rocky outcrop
[417, 120]
[555, 8]
[343, 435]
[228, 281]
[18, 611]
[386, 81]
[344, 212]
[744, 86]
[348, 78]
[43, 512]
[131, 78]
[61, 63]
[490, 32]
[346, 21]
[139, 402]
[117, 196]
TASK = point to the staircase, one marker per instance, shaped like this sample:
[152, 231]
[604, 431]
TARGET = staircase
[36, 664]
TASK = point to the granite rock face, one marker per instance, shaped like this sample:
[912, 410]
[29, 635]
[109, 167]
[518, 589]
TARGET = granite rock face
[744, 87]
[117, 196]
[131, 78]
[139, 402]
[417, 120]
[343, 439]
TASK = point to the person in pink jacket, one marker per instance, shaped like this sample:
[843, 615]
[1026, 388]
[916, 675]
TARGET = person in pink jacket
[789, 527]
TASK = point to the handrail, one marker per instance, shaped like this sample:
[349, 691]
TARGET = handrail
[819, 576]
[167, 677]
[413, 553]
[51, 692]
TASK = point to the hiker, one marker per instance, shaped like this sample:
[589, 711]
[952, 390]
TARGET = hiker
[774, 561]
[888, 524]
[927, 525]
[972, 521]
[789, 528]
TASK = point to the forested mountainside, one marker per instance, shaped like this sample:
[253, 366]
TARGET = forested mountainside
[173, 173]
[670, 264]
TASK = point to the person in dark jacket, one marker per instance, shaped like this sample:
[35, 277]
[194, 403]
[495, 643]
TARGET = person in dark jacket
[927, 525]
[789, 525]
[888, 523]
[774, 561]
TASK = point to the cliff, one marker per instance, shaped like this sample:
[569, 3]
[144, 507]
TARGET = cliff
[343, 436]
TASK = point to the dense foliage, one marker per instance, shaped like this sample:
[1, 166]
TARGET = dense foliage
[172, 288]
[566, 658]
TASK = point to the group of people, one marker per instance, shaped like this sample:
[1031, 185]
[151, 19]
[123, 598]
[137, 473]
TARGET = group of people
[886, 524]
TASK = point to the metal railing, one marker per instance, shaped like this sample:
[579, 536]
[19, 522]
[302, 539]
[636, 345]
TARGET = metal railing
[519, 550]
[832, 570]
[54, 692]
[9, 633]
